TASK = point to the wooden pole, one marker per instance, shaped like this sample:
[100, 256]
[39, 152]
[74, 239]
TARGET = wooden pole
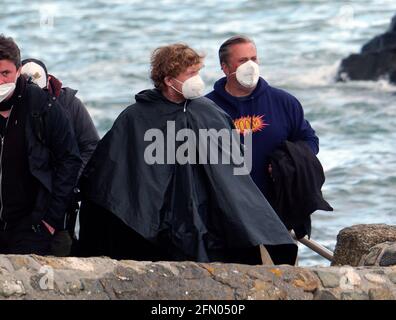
[314, 246]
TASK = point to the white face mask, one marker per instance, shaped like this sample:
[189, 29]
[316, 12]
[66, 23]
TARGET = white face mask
[6, 89]
[192, 88]
[248, 74]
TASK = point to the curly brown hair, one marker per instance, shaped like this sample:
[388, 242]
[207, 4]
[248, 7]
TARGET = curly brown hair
[172, 60]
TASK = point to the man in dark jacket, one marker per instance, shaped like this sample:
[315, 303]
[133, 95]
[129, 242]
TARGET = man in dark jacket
[80, 120]
[272, 115]
[39, 160]
[139, 205]
[84, 130]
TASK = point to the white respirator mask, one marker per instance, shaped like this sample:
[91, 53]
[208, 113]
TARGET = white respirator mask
[248, 74]
[6, 89]
[192, 88]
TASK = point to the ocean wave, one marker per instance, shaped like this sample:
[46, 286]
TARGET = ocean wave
[325, 76]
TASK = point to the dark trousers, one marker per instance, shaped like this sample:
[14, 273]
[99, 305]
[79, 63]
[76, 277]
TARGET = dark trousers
[22, 238]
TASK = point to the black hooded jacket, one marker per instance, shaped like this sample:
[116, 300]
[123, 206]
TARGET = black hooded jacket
[295, 192]
[188, 210]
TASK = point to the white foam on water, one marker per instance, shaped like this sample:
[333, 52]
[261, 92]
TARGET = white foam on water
[317, 77]
[382, 85]
[325, 76]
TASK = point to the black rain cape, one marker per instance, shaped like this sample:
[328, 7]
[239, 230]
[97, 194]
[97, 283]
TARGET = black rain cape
[187, 208]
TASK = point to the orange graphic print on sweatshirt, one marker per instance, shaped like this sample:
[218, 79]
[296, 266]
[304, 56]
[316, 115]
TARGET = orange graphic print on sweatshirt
[253, 123]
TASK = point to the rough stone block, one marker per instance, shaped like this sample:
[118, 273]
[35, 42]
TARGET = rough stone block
[324, 295]
[381, 294]
[389, 256]
[354, 295]
[356, 241]
[329, 279]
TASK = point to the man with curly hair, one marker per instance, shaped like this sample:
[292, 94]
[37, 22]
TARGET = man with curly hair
[139, 205]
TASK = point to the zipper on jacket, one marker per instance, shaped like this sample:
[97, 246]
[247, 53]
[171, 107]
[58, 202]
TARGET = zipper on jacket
[1, 167]
[185, 106]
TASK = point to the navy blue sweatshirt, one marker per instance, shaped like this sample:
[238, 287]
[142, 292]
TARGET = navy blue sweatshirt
[273, 115]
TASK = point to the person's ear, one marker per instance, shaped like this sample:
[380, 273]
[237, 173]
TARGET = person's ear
[225, 68]
[167, 81]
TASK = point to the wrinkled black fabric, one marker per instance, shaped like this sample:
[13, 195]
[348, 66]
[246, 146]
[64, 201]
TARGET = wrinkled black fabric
[83, 127]
[19, 187]
[295, 191]
[188, 210]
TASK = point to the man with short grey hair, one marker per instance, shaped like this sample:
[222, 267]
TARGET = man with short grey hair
[272, 115]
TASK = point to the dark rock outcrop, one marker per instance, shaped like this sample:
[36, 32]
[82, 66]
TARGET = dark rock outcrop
[376, 60]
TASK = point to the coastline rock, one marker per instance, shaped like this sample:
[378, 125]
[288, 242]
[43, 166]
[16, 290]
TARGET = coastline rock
[376, 60]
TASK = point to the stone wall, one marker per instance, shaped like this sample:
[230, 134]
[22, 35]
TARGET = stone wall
[35, 277]
[371, 249]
